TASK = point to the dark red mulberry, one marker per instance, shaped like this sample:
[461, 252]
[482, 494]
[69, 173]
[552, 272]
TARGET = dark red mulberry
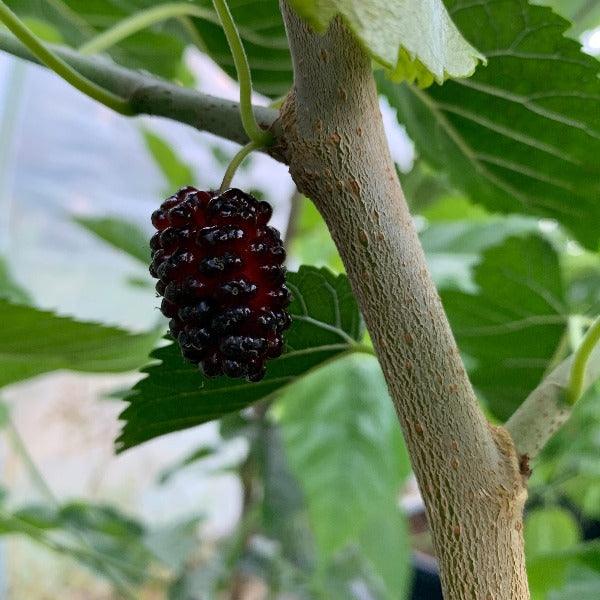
[221, 275]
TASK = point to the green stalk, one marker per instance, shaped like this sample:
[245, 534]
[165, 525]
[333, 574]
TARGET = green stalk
[59, 66]
[580, 362]
[251, 127]
[236, 161]
[140, 21]
[21, 449]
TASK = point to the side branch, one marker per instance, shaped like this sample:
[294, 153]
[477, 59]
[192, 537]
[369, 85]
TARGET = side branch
[547, 408]
[148, 95]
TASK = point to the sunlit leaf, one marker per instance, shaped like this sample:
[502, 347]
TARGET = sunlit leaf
[523, 134]
[399, 35]
[510, 327]
[121, 234]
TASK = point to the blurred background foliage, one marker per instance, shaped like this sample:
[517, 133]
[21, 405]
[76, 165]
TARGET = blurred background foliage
[327, 504]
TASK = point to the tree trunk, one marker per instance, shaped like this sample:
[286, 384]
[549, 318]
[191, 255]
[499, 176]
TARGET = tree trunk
[468, 471]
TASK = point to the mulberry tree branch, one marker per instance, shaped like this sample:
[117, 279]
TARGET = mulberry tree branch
[147, 95]
[468, 471]
[547, 408]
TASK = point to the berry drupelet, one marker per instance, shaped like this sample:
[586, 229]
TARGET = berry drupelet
[220, 272]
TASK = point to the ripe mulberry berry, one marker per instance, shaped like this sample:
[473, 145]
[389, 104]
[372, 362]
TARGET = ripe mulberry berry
[220, 272]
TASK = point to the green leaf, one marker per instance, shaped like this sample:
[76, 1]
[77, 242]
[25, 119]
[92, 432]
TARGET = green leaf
[509, 329]
[176, 172]
[551, 571]
[568, 466]
[454, 208]
[9, 289]
[585, 14]
[424, 187]
[263, 35]
[399, 35]
[550, 530]
[38, 516]
[284, 513]
[159, 48]
[351, 576]
[345, 447]
[384, 542]
[44, 30]
[582, 275]
[173, 543]
[33, 341]
[203, 580]
[453, 248]
[99, 537]
[582, 583]
[312, 243]
[174, 395]
[104, 539]
[121, 234]
[522, 134]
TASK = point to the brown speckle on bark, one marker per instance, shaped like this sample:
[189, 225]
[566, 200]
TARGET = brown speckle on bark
[524, 466]
[363, 237]
[354, 186]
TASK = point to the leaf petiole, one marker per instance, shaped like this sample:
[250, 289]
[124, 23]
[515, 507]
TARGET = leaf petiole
[251, 127]
[580, 361]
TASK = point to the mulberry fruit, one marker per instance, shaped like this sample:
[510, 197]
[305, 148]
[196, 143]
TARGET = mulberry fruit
[220, 272]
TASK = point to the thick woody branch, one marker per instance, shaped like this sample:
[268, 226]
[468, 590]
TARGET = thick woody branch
[546, 409]
[468, 472]
[148, 95]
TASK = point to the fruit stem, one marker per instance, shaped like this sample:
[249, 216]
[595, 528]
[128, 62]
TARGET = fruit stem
[59, 66]
[251, 127]
[236, 161]
[580, 362]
